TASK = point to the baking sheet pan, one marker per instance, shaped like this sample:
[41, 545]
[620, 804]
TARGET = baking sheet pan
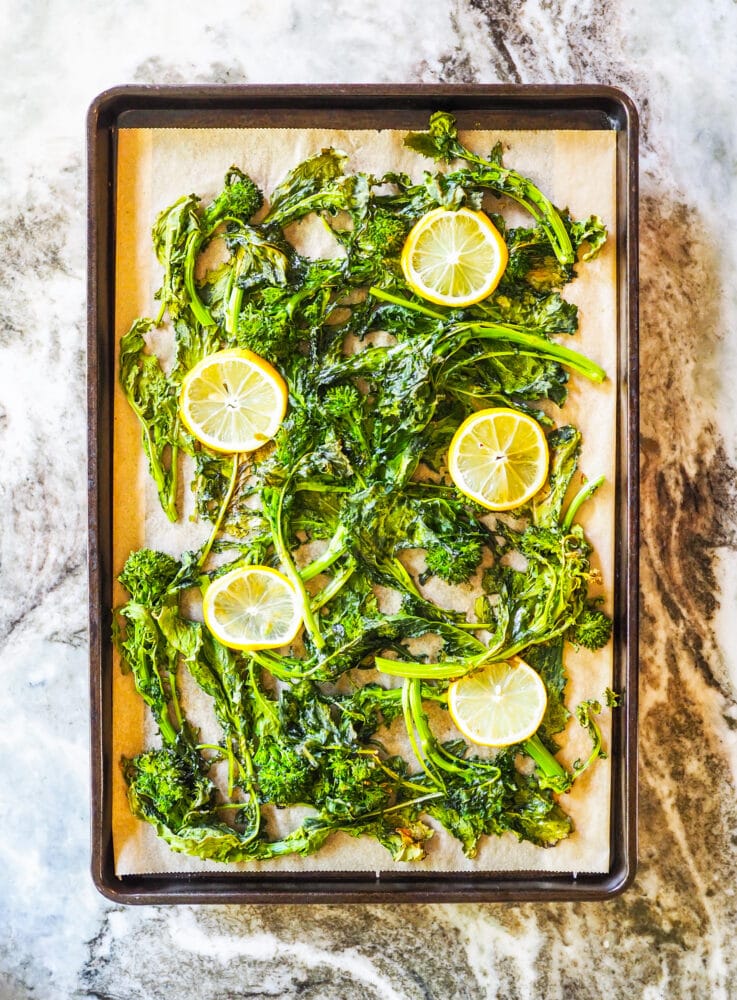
[496, 108]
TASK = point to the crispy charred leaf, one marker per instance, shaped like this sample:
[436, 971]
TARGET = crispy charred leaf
[452, 538]
[547, 659]
[366, 710]
[256, 261]
[588, 237]
[536, 815]
[565, 447]
[285, 774]
[545, 599]
[219, 673]
[318, 184]
[243, 520]
[519, 305]
[169, 786]
[177, 235]
[480, 802]
[145, 654]
[153, 398]
[532, 262]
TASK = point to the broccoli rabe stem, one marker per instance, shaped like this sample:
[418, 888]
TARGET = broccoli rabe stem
[335, 549]
[234, 310]
[411, 669]
[310, 620]
[587, 490]
[221, 513]
[452, 669]
[397, 300]
[429, 747]
[538, 345]
[557, 777]
[334, 587]
[459, 334]
[429, 752]
[521, 190]
[410, 725]
[201, 313]
[174, 696]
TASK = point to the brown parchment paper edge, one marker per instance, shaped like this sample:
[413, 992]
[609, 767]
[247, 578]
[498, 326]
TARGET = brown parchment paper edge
[577, 168]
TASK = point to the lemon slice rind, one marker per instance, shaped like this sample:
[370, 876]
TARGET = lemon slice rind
[254, 607]
[499, 458]
[500, 705]
[454, 258]
[233, 401]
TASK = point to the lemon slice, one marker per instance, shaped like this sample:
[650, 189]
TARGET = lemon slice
[233, 401]
[454, 258]
[255, 607]
[500, 704]
[499, 458]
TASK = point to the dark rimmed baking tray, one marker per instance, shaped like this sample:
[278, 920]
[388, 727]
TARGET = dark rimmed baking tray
[503, 107]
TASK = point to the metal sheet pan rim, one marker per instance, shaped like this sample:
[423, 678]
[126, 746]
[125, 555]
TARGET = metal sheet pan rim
[559, 103]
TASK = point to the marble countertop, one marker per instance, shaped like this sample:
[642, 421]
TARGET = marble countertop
[671, 934]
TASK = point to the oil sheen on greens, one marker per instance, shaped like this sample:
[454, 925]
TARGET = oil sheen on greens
[355, 476]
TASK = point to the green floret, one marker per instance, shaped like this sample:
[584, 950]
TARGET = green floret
[341, 401]
[592, 629]
[351, 785]
[266, 331]
[167, 784]
[454, 564]
[240, 199]
[344, 405]
[284, 775]
[384, 235]
[147, 576]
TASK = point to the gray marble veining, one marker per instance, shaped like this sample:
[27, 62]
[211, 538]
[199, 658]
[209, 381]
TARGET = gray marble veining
[671, 934]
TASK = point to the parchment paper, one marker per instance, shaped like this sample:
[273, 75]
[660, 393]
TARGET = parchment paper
[157, 166]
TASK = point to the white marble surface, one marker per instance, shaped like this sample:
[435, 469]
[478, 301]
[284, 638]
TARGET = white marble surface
[671, 935]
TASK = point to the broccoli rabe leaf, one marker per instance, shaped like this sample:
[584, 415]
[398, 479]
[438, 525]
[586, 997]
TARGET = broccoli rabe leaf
[153, 398]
